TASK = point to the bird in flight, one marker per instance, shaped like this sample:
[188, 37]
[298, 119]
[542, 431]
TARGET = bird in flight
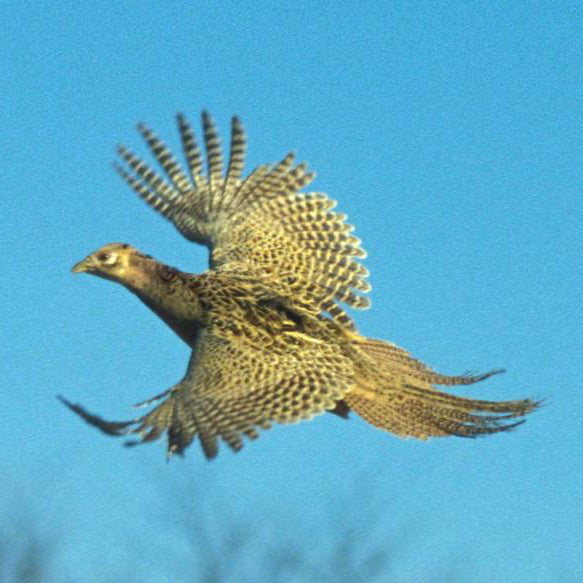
[271, 339]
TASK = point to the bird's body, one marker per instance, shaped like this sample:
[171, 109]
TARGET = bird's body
[270, 342]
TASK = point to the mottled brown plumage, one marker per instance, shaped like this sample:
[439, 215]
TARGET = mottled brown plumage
[270, 341]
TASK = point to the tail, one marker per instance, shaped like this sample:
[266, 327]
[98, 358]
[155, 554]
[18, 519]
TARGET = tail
[399, 397]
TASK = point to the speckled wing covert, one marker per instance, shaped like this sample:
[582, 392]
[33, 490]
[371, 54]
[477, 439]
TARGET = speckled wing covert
[231, 388]
[261, 222]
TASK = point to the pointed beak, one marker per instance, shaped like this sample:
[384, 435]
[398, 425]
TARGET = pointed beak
[83, 266]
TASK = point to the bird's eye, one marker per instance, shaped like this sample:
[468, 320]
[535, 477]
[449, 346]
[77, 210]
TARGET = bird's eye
[106, 258]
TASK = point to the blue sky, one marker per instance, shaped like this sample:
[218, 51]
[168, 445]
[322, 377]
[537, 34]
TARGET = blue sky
[451, 134]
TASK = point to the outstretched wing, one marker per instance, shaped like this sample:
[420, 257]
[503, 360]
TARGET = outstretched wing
[231, 388]
[262, 222]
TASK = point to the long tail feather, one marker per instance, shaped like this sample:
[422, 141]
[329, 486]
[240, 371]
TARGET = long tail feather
[421, 417]
[399, 396]
[396, 358]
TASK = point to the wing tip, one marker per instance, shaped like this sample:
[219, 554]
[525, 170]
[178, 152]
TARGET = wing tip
[114, 428]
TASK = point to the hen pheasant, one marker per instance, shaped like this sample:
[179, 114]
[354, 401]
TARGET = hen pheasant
[270, 339]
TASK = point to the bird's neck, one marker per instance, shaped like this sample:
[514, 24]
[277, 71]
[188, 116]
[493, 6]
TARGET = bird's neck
[170, 294]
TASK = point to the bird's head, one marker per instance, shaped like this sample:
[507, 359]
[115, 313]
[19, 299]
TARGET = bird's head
[117, 262]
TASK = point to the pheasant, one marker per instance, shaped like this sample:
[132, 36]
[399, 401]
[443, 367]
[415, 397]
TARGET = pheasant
[270, 339]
